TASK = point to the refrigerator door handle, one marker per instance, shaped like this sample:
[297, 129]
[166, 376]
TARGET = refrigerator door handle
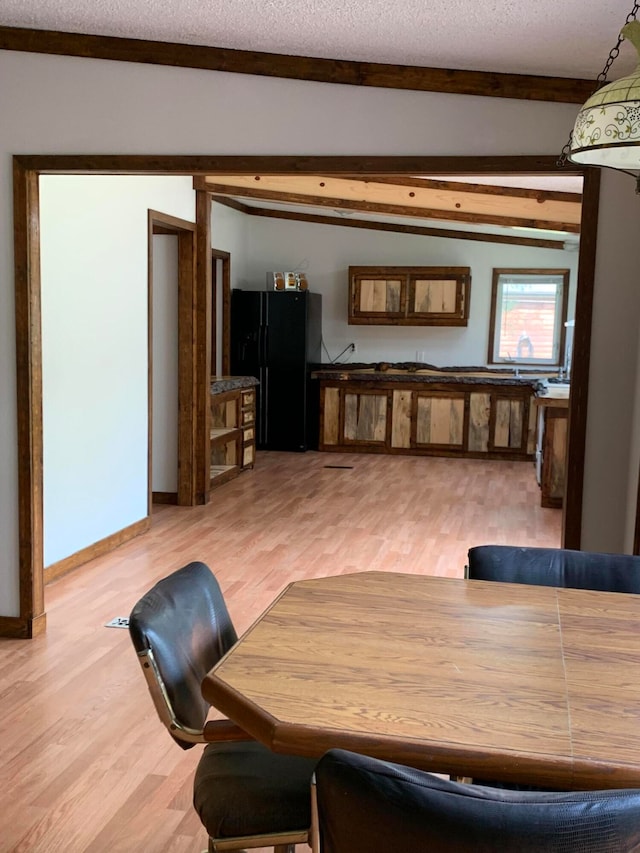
[264, 404]
[264, 344]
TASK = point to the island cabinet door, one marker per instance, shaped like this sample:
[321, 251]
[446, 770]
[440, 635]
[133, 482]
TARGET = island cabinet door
[509, 429]
[366, 418]
[441, 420]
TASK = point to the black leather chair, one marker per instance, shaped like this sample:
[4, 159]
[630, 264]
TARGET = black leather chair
[246, 795]
[364, 805]
[555, 567]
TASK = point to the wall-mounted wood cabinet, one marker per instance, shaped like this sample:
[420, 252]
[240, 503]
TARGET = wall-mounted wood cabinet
[409, 296]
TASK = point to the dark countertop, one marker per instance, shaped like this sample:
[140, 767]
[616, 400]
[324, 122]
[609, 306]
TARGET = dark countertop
[220, 384]
[427, 373]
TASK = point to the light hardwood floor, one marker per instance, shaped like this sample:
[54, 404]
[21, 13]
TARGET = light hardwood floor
[84, 764]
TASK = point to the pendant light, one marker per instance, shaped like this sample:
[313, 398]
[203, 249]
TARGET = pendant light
[607, 130]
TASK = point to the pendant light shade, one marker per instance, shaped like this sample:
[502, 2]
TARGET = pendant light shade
[607, 129]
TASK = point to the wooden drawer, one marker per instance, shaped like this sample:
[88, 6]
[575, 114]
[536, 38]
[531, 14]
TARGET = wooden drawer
[248, 398]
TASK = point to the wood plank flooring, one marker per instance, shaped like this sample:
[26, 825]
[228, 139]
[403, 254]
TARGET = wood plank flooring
[84, 764]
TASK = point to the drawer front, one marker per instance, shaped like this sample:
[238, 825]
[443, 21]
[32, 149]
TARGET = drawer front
[248, 455]
[248, 398]
[248, 434]
[248, 416]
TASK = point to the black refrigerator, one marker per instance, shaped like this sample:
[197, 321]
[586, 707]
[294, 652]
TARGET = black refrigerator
[276, 336]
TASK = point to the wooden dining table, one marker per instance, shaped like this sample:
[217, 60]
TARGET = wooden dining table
[497, 681]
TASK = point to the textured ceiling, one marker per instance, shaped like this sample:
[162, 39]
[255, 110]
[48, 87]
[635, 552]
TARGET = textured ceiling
[548, 37]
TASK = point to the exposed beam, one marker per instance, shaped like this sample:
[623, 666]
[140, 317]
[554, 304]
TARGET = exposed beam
[376, 74]
[421, 230]
[397, 200]
[482, 189]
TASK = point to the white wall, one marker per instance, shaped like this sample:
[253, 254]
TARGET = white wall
[229, 234]
[64, 105]
[325, 252]
[94, 247]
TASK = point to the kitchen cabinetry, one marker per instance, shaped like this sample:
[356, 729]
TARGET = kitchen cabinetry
[409, 296]
[474, 419]
[232, 427]
[551, 446]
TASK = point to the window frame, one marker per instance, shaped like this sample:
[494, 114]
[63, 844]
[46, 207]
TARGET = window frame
[494, 321]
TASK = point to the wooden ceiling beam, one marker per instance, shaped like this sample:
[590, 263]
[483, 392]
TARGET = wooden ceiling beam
[419, 230]
[380, 75]
[396, 200]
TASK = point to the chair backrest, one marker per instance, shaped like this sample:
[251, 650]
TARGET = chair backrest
[555, 567]
[182, 627]
[369, 806]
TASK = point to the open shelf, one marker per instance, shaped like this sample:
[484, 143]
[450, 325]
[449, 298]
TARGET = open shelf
[231, 433]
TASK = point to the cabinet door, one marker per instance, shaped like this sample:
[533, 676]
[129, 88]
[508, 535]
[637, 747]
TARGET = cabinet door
[437, 298]
[366, 417]
[378, 297]
[554, 451]
[330, 414]
[440, 419]
[479, 420]
[510, 424]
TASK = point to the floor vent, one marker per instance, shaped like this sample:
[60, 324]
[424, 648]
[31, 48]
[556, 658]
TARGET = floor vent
[118, 622]
[344, 467]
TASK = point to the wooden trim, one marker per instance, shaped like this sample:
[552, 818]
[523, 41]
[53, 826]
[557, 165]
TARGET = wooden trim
[165, 223]
[225, 257]
[26, 219]
[170, 498]
[421, 230]
[202, 338]
[186, 367]
[16, 628]
[579, 399]
[201, 166]
[346, 72]
[149, 356]
[28, 344]
[103, 546]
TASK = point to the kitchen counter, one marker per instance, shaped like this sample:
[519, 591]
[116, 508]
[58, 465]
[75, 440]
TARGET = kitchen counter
[424, 373]
[221, 384]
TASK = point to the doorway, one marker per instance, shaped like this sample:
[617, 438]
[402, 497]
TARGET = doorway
[171, 248]
[29, 353]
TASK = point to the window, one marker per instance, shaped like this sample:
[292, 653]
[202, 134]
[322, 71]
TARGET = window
[528, 313]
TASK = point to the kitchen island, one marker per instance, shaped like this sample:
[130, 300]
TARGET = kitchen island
[418, 409]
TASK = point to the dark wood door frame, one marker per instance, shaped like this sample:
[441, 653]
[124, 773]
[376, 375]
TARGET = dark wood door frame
[224, 283]
[26, 170]
[162, 223]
